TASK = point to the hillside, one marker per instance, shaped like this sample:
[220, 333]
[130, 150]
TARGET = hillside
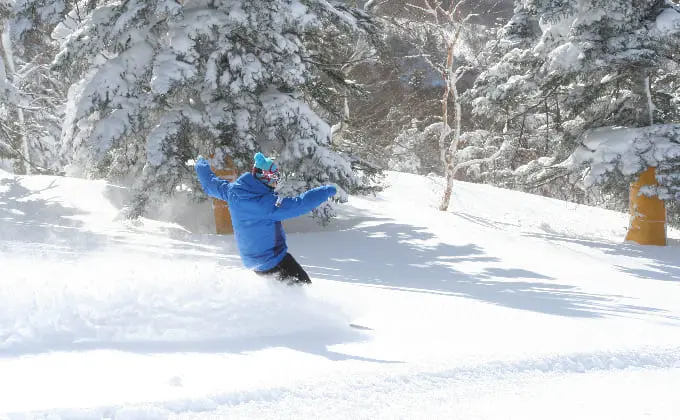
[509, 306]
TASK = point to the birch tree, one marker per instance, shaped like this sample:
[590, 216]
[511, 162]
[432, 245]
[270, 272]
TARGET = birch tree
[448, 21]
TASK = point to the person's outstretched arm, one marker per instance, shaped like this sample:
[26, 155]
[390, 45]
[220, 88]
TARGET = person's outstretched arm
[213, 185]
[290, 207]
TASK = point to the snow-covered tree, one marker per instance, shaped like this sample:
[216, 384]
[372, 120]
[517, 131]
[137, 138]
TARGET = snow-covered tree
[613, 68]
[13, 150]
[505, 101]
[155, 82]
[36, 108]
[344, 39]
[596, 64]
[416, 150]
[5, 135]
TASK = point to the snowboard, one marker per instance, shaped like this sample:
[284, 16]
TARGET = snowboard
[360, 327]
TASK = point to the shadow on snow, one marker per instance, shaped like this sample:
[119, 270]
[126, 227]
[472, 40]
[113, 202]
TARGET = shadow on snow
[412, 258]
[31, 220]
[664, 266]
[27, 220]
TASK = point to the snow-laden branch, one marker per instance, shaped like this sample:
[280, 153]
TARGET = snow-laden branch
[480, 161]
[625, 150]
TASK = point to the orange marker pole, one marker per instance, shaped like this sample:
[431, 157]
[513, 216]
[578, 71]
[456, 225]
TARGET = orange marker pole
[647, 214]
[223, 224]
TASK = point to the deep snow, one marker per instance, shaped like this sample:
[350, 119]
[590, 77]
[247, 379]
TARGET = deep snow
[509, 306]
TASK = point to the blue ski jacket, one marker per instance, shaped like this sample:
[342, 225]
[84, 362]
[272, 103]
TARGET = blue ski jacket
[256, 214]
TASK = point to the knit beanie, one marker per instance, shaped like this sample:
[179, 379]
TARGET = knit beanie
[265, 169]
[264, 163]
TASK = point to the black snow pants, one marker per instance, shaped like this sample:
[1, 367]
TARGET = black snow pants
[289, 271]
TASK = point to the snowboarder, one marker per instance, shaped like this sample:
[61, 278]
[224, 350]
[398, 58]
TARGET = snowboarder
[256, 215]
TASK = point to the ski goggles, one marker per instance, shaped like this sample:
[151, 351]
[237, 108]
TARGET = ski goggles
[269, 176]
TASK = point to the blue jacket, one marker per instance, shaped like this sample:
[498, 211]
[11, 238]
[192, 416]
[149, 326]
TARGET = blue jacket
[256, 214]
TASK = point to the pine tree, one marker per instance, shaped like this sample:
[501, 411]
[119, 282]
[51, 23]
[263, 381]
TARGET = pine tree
[507, 103]
[33, 114]
[154, 83]
[503, 91]
[597, 64]
[6, 93]
[13, 150]
[610, 70]
[40, 90]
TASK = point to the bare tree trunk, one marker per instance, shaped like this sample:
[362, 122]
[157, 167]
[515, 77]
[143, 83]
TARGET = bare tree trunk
[8, 57]
[650, 104]
[450, 152]
[446, 129]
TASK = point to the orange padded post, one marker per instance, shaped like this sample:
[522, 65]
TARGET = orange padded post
[223, 224]
[647, 214]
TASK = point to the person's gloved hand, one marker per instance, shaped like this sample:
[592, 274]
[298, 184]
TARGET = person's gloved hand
[193, 162]
[202, 161]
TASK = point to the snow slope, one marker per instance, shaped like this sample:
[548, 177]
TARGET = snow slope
[509, 306]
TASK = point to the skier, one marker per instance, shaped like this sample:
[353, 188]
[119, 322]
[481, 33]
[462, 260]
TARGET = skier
[256, 215]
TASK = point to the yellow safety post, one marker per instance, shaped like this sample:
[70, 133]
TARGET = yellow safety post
[223, 224]
[647, 214]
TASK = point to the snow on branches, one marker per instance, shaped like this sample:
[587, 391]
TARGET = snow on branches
[627, 152]
[154, 82]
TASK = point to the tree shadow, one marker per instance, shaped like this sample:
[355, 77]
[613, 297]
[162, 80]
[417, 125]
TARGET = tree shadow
[26, 219]
[412, 258]
[664, 263]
